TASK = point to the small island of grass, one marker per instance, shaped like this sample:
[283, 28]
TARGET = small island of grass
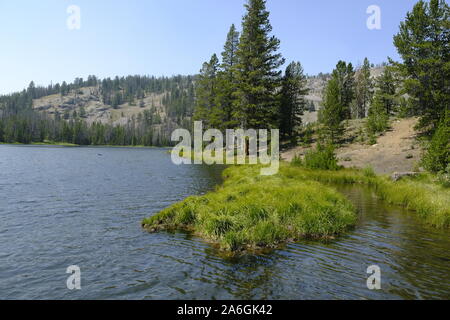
[251, 212]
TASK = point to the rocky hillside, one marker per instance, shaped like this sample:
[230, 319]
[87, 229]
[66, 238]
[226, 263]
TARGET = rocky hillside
[87, 103]
[316, 85]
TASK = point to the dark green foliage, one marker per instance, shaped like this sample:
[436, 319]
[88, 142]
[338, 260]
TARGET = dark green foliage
[258, 72]
[386, 91]
[227, 80]
[383, 105]
[437, 156]
[244, 89]
[331, 115]
[363, 91]
[345, 75]
[206, 108]
[337, 101]
[322, 157]
[423, 42]
[19, 122]
[293, 103]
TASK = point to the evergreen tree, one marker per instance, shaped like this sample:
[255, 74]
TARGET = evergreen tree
[363, 91]
[386, 90]
[293, 102]
[378, 118]
[423, 42]
[331, 114]
[258, 72]
[344, 75]
[206, 90]
[437, 157]
[227, 81]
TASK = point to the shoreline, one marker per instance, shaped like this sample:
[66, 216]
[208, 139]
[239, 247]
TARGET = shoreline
[252, 213]
[236, 223]
[72, 145]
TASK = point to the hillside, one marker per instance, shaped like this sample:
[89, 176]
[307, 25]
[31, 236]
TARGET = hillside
[95, 110]
[316, 85]
[395, 151]
[129, 110]
[133, 110]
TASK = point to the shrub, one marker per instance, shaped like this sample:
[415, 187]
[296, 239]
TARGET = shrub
[372, 139]
[444, 177]
[377, 122]
[437, 157]
[323, 157]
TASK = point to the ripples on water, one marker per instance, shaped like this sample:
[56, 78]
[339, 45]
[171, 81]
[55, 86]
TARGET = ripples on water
[83, 206]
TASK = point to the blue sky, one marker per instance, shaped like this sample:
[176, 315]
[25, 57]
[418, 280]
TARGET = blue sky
[167, 37]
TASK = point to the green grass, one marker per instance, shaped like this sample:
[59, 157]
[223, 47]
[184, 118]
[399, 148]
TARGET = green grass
[422, 194]
[46, 143]
[250, 211]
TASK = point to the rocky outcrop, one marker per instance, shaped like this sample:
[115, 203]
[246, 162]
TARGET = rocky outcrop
[396, 176]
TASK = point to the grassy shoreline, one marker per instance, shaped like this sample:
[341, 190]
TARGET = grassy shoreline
[65, 144]
[250, 212]
[420, 194]
[49, 143]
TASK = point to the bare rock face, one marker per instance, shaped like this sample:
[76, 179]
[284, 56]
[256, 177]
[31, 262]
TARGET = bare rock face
[396, 176]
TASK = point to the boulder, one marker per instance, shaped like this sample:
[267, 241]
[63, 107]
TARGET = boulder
[396, 176]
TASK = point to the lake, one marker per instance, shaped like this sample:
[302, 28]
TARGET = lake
[83, 206]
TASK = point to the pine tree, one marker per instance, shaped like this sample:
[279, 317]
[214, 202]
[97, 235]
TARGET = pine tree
[363, 91]
[293, 102]
[227, 81]
[206, 90]
[331, 115]
[386, 90]
[229, 57]
[344, 75]
[378, 118]
[423, 43]
[258, 72]
[437, 157]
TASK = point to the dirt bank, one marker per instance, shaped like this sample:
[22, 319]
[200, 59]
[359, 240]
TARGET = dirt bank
[396, 151]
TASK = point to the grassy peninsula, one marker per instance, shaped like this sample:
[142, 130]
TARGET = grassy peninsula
[250, 211]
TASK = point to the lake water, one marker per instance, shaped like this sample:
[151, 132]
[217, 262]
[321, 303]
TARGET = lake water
[83, 206]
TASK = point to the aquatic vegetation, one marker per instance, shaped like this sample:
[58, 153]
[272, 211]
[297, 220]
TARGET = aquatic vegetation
[423, 194]
[250, 211]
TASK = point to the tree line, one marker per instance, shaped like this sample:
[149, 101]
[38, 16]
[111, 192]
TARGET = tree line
[245, 88]
[19, 122]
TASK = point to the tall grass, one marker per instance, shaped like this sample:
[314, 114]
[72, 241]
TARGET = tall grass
[251, 211]
[322, 157]
[422, 194]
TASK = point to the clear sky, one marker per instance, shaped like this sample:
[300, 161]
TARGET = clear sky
[167, 37]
